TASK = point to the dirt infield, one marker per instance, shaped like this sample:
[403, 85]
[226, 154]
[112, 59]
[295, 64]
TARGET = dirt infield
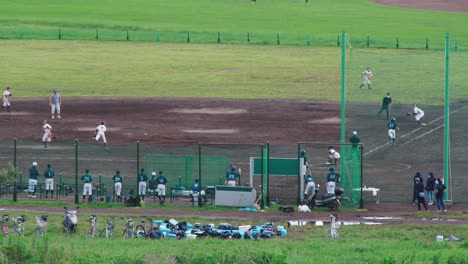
[460, 6]
[185, 122]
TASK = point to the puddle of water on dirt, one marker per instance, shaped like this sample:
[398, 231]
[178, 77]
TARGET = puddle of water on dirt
[381, 218]
[209, 111]
[211, 131]
[321, 223]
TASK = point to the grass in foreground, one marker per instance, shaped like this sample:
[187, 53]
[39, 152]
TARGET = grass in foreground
[359, 244]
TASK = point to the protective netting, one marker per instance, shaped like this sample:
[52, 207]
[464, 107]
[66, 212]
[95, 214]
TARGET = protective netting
[410, 77]
[458, 82]
[320, 162]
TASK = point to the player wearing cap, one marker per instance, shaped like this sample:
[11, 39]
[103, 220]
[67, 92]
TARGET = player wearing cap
[142, 179]
[354, 139]
[49, 174]
[101, 133]
[6, 99]
[46, 137]
[33, 174]
[87, 180]
[161, 180]
[55, 101]
[118, 185]
[333, 156]
[332, 179]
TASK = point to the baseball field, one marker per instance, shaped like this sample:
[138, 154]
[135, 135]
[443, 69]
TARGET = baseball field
[170, 96]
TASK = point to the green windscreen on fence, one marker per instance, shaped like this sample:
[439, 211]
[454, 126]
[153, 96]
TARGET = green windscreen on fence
[277, 166]
[183, 170]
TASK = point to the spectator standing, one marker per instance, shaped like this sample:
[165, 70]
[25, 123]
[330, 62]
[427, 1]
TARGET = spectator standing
[419, 187]
[417, 177]
[439, 190]
[33, 174]
[49, 174]
[430, 187]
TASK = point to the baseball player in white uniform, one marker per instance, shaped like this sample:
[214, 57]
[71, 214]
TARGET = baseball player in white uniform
[6, 99]
[47, 129]
[333, 156]
[367, 74]
[418, 114]
[101, 133]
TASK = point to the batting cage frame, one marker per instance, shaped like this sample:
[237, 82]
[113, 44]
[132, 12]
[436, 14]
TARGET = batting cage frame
[320, 159]
[238, 155]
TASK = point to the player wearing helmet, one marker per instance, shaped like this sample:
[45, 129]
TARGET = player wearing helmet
[231, 176]
[33, 174]
[332, 179]
[392, 128]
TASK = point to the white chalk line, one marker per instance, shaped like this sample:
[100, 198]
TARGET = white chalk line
[415, 130]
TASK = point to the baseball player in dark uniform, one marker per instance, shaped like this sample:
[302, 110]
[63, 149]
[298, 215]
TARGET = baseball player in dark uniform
[87, 179]
[392, 128]
[231, 176]
[386, 105]
[142, 180]
[332, 179]
[118, 185]
[49, 174]
[33, 174]
[161, 180]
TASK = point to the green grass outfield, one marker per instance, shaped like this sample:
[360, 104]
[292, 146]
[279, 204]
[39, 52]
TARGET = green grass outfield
[304, 244]
[140, 69]
[323, 19]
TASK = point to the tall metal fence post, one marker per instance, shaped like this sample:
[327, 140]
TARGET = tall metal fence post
[200, 204]
[99, 190]
[128, 36]
[267, 151]
[61, 188]
[397, 43]
[361, 201]
[248, 37]
[77, 200]
[427, 43]
[277, 39]
[219, 37]
[456, 46]
[368, 41]
[188, 37]
[308, 39]
[97, 33]
[338, 41]
[15, 195]
[138, 164]
[60, 34]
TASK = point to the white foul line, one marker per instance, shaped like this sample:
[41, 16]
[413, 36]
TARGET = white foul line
[411, 132]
